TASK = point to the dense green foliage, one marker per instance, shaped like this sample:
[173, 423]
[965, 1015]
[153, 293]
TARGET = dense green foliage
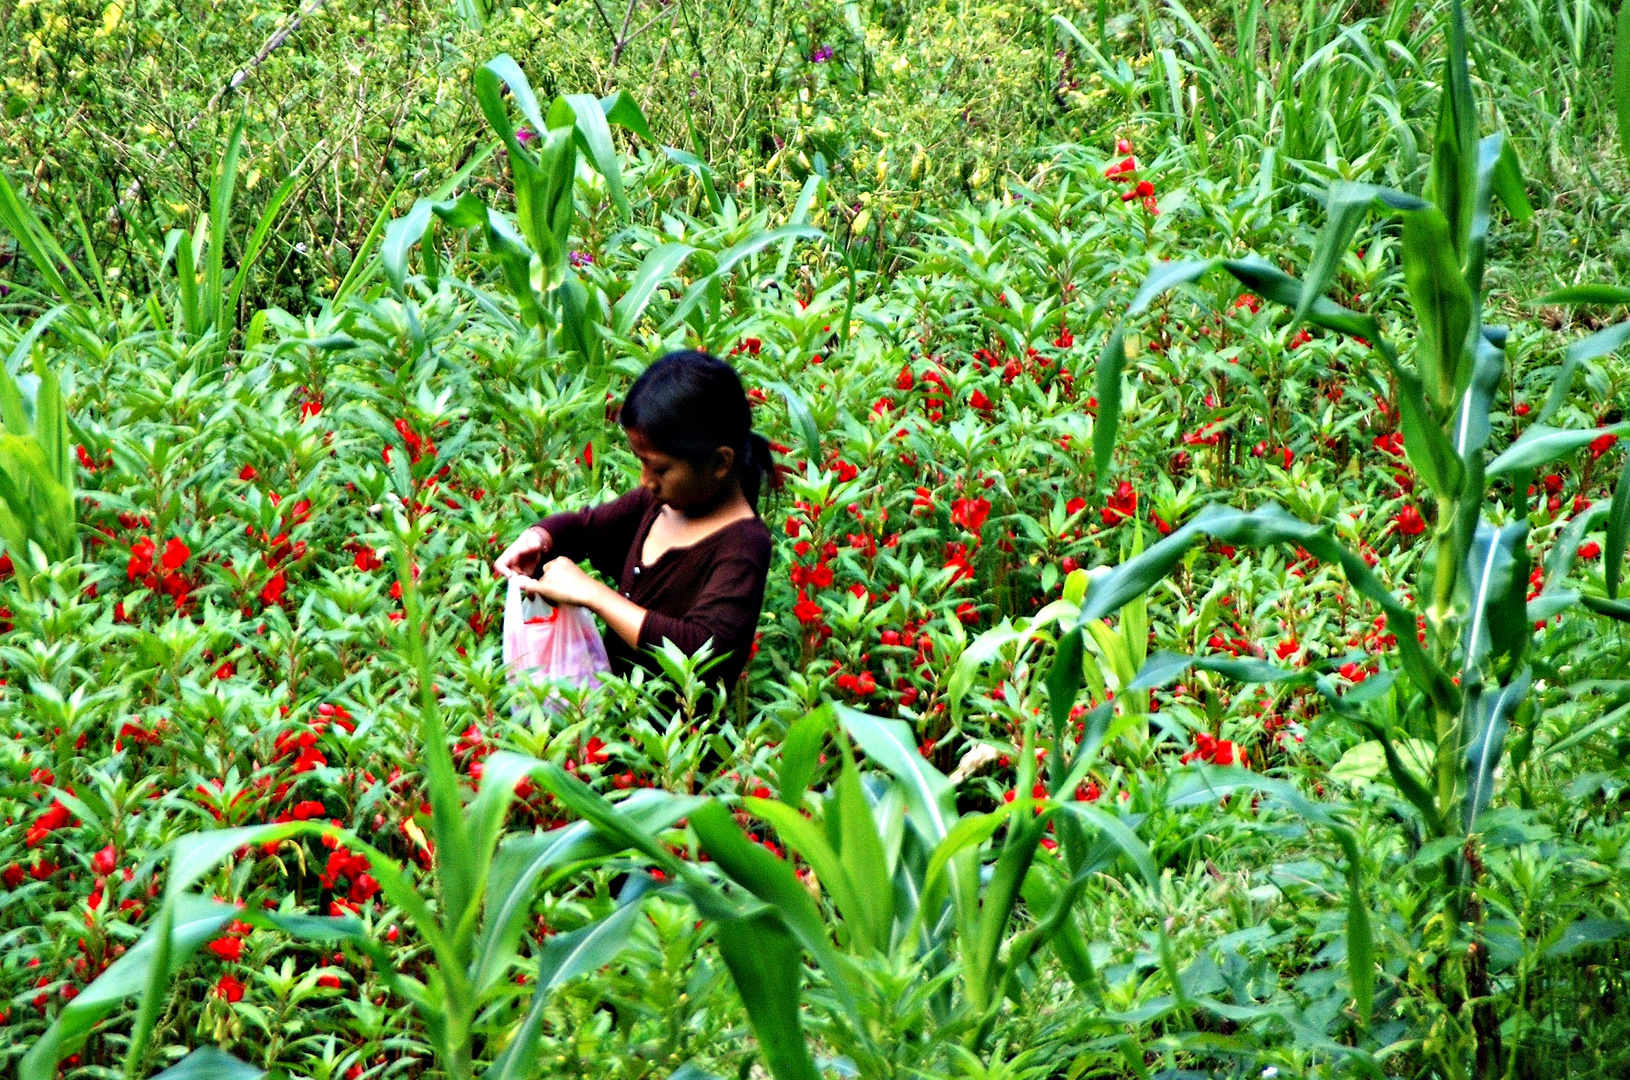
[1194, 644]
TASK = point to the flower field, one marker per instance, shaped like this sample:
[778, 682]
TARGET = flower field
[1194, 643]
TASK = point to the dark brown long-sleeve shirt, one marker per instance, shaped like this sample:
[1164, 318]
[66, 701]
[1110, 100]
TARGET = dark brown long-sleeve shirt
[712, 589]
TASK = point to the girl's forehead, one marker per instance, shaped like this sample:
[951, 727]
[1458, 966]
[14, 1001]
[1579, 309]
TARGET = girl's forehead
[642, 446]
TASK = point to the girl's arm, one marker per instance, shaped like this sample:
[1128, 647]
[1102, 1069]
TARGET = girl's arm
[564, 582]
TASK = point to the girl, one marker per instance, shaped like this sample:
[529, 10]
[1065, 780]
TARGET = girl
[686, 548]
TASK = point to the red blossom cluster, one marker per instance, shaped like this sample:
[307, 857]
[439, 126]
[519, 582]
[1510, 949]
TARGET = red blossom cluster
[1125, 171]
[1208, 747]
[162, 572]
[346, 872]
[1122, 504]
[51, 819]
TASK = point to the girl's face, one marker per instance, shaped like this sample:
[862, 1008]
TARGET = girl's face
[681, 484]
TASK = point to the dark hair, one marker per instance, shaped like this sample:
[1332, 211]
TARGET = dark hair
[690, 403]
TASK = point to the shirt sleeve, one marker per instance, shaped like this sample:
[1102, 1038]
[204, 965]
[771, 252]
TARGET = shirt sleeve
[602, 534]
[726, 610]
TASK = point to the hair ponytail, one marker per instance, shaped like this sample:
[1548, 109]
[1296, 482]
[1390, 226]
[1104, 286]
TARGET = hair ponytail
[758, 465]
[689, 404]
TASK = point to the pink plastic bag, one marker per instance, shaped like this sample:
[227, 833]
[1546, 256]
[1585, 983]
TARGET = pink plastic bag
[551, 645]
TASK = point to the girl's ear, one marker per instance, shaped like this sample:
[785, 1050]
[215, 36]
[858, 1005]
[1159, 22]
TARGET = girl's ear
[724, 460]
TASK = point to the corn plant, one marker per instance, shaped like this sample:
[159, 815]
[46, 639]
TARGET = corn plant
[533, 249]
[36, 463]
[1466, 678]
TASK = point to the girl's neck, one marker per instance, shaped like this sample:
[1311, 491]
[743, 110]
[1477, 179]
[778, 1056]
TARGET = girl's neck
[729, 502]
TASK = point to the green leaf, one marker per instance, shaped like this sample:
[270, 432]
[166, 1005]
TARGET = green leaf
[772, 881]
[564, 957]
[1618, 531]
[1491, 714]
[1360, 939]
[807, 839]
[699, 169]
[594, 137]
[1345, 206]
[1621, 78]
[1472, 428]
[1064, 680]
[210, 1063]
[1508, 185]
[1596, 345]
[521, 861]
[1489, 564]
[661, 262]
[42, 249]
[1118, 832]
[1593, 295]
[1454, 157]
[803, 421]
[800, 754]
[1442, 301]
[1167, 276]
[155, 957]
[220, 218]
[1107, 387]
[1541, 445]
[765, 963]
[864, 860]
[889, 743]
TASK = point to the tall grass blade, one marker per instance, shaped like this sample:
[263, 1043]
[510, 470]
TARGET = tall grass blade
[1621, 78]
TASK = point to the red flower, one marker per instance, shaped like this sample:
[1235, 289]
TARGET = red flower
[105, 861]
[1121, 168]
[329, 981]
[1285, 649]
[806, 610]
[979, 401]
[247, 473]
[229, 989]
[1208, 747]
[1590, 549]
[141, 558]
[970, 514]
[229, 949]
[367, 558]
[176, 552]
[1602, 444]
[272, 591]
[310, 758]
[1121, 505]
[1390, 444]
[310, 808]
[1408, 521]
[905, 380]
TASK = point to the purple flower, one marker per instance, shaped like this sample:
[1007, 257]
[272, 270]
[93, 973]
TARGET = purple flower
[525, 135]
[822, 55]
[579, 258]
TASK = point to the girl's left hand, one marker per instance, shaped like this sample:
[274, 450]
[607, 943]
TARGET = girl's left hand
[564, 582]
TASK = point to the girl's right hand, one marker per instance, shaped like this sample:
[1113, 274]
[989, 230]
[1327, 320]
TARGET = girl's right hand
[525, 555]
